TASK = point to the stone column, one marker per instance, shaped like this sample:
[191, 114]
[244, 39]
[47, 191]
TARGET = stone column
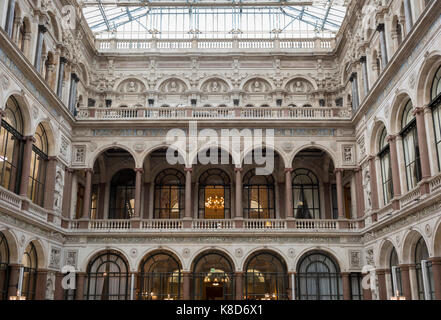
[327, 195]
[101, 200]
[373, 182]
[138, 187]
[40, 284]
[73, 92]
[341, 210]
[87, 194]
[405, 280]
[67, 193]
[408, 16]
[346, 279]
[395, 168]
[41, 31]
[14, 275]
[239, 285]
[61, 77]
[239, 210]
[436, 270]
[10, 17]
[188, 194]
[359, 192]
[382, 290]
[365, 75]
[367, 293]
[146, 200]
[58, 288]
[422, 143]
[186, 285]
[288, 194]
[384, 57]
[26, 165]
[79, 293]
[49, 188]
[355, 95]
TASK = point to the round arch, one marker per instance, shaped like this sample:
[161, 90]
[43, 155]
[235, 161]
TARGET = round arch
[217, 78]
[327, 251]
[431, 64]
[182, 154]
[24, 109]
[234, 156]
[254, 78]
[408, 248]
[374, 135]
[40, 250]
[92, 255]
[51, 140]
[398, 105]
[12, 245]
[102, 149]
[329, 152]
[385, 250]
[437, 240]
[173, 77]
[301, 76]
[283, 155]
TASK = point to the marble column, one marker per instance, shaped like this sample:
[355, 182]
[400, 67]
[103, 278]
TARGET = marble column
[382, 290]
[61, 77]
[38, 56]
[49, 188]
[67, 193]
[186, 285]
[73, 92]
[422, 143]
[40, 284]
[26, 165]
[408, 15]
[14, 275]
[327, 195]
[373, 183]
[405, 281]
[436, 271]
[355, 94]
[59, 292]
[338, 177]
[138, 189]
[359, 192]
[10, 17]
[188, 193]
[367, 293]
[365, 75]
[80, 278]
[384, 56]
[146, 200]
[239, 210]
[346, 279]
[239, 276]
[87, 194]
[288, 194]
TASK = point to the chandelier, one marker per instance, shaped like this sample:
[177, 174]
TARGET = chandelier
[215, 202]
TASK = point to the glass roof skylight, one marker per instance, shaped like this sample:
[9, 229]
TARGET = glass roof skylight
[185, 19]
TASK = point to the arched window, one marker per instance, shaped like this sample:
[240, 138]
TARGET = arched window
[30, 264]
[214, 195]
[122, 195]
[306, 194]
[258, 196]
[4, 267]
[386, 170]
[11, 146]
[426, 285]
[318, 278]
[169, 194]
[160, 277]
[265, 277]
[435, 94]
[213, 277]
[39, 159]
[395, 273]
[410, 147]
[107, 277]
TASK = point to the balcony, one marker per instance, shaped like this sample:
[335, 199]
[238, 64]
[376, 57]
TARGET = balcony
[221, 113]
[322, 45]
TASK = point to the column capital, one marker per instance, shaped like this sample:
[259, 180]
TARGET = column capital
[380, 27]
[188, 169]
[290, 170]
[141, 170]
[69, 170]
[42, 28]
[391, 138]
[418, 110]
[338, 170]
[358, 169]
[238, 169]
[363, 59]
[2, 113]
[371, 157]
[435, 260]
[63, 60]
[52, 158]
[88, 170]
[29, 138]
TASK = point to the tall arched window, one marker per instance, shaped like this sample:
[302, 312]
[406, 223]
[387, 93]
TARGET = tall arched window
[4, 267]
[30, 264]
[318, 278]
[258, 196]
[306, 194]
[11, 146]
[386, 170]
[265, 277]
[39, 159]
[410, 147]
[213, 277]
[395, 273]
[435, 105]
[122, 195]
[160, 277]
[423, 267]
[214, 195]
[169, 194]
[107, 277]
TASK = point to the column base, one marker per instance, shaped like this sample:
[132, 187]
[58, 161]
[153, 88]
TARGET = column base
[291, 223]
[83, 224]
[187, 223]
[396, 204]
[135, 223]
[343, 224]
[238, 223]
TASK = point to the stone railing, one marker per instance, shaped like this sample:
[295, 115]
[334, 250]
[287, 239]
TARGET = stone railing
[109, 224]
[161, 224]
[253, 113]
[212, 224]
[435, 183]
[37, 211]
[410, 197]
[10, 198]
[317, 224]
[260, 224]
[235, 44]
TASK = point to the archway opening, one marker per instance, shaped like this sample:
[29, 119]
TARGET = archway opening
[4, 267]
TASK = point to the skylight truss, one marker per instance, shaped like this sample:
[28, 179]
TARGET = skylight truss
[178, 19]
